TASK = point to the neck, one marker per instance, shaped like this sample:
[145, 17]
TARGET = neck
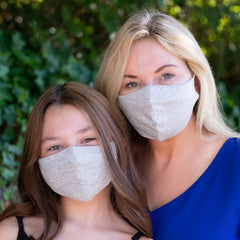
[176, 148]
[96, 212]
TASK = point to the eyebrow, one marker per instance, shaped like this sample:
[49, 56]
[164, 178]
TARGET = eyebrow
[164, 66]
[54, 138]
[158, 70]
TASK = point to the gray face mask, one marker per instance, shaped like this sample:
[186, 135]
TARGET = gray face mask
[160, 111]
[77, 172]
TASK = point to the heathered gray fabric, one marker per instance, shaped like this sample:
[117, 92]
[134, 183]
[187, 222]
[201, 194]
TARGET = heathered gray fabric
[77, 172]
[160, 111]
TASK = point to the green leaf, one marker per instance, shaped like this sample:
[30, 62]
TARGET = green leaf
[4, 71]
[5, 94]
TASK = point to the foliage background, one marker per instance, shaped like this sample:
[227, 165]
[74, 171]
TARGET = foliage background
[44, 42]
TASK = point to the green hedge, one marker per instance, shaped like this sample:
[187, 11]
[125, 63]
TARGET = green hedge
[49, 42]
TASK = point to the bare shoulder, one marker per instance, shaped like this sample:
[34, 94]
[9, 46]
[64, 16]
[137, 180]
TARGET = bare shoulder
[33, 226]
[146, 238]
[9, 229]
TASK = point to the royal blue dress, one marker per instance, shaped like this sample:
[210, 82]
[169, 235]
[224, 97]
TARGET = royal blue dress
[210, 208]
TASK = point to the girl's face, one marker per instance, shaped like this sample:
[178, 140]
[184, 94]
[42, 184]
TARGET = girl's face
[150, 63]
[64, 126]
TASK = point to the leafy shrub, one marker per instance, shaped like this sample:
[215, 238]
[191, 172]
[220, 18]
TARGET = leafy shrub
[51, 42]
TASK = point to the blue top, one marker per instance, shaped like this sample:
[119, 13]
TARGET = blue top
[210, 208]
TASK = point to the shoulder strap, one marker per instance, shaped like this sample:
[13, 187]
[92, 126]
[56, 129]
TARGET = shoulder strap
[21, 234]
[137, 235]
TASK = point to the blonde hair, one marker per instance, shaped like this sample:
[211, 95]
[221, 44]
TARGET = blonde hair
[179, 41]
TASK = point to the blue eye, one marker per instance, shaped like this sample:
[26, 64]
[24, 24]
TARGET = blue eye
[167, 76]
[131, 85]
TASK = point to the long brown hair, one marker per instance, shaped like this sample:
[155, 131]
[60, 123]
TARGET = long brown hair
[127, 195]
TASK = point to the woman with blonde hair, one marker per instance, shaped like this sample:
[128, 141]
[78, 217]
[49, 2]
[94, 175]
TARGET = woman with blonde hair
[188, 158]
[77, 179]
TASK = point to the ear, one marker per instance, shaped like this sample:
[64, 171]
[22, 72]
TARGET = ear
[197, 84]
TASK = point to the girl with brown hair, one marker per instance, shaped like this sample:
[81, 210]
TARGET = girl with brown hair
[77, 177]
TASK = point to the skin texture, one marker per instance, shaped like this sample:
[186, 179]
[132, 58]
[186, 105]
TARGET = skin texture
[61, 131]
[171, 166]
[150, 63]
[64, 126]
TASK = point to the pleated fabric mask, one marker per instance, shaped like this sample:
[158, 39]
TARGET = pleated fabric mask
[160, 111]
[77, 172]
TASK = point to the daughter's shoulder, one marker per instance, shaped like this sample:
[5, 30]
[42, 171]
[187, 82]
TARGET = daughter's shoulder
[146, 238]
[33, 226]
[9, 228]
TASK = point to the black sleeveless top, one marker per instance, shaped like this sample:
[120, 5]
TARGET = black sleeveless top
[23, 236]
[137, 235]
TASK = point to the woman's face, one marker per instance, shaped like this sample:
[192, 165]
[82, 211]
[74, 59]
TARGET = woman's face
[150, 63]
[64, 126]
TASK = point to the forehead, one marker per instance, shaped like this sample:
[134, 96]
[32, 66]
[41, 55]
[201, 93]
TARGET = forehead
[148, 44]
[149, 53]
[64, 116]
